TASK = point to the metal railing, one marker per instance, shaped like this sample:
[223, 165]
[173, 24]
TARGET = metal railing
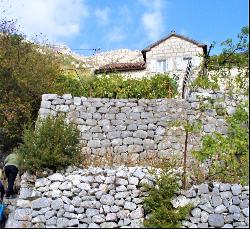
[186, 80]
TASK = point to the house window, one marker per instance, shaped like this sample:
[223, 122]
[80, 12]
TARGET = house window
[161, 66]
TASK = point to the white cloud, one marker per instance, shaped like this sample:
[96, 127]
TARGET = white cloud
[153, 18]
[102, 15]
[115, 35]
[56, 19]
[153, 24]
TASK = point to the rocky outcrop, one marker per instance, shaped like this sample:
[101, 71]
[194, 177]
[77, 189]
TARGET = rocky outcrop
[110, 57]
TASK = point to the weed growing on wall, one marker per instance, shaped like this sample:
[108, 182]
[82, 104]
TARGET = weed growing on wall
[157, 204]
[53, 144]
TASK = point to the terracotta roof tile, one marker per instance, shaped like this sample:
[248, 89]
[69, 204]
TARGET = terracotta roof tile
[121, 67]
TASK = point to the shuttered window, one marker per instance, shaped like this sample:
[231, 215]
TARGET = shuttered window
[161, 66]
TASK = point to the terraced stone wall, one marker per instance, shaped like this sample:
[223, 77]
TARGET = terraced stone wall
[113, 198]
[132, 130]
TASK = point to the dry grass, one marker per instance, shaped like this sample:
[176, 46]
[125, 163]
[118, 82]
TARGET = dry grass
[111, 159]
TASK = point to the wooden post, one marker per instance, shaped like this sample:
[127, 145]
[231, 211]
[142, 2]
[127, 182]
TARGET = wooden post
[184, 180]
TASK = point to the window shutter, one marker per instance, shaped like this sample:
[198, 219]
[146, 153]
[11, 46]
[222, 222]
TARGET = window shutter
[153, 66]
[179, 63]
[170, 65]
[165, 65]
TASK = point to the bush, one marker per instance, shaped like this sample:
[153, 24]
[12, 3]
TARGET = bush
[69, 85]
[116, 86]
[228, 156]
[53, 144]
[205, 83]
[158, 204]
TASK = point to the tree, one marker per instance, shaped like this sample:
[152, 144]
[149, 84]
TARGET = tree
[27, 70]
[234, 54]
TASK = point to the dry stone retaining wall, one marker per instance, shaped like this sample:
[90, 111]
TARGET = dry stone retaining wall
[125, 128]
[113, 197]
[216, 205]
[138, 129]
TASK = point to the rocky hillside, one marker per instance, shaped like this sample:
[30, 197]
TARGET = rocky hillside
[95, 61]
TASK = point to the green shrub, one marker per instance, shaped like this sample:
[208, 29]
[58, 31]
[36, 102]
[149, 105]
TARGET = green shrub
[158, 204]
[118, 87]
[53, 144]
[69, 85]
[206, 83]
[228, 155]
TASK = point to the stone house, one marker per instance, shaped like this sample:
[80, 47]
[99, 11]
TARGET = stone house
[175, 54]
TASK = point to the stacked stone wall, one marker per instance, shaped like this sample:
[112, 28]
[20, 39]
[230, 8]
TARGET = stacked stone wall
[138, 129]
[127, 128]
[113, 198]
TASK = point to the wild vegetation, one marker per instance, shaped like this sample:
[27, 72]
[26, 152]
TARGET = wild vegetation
[228, 155]
[115, 86]
[158, 204]
[53, 144]
[25, 74]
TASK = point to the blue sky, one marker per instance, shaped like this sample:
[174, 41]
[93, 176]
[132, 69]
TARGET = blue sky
[131, 24]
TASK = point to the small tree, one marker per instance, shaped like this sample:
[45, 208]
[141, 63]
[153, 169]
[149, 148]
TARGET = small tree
[52, 144]
[158, 204]
[190, 128]
[234, 54]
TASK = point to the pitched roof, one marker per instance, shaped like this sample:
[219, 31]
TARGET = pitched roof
[176, 35]
[121, 67]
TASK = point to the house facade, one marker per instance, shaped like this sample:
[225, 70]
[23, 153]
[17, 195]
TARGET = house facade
[177, 55]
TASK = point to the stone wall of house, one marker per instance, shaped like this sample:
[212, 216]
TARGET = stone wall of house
[113, 198]
[133, 130]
